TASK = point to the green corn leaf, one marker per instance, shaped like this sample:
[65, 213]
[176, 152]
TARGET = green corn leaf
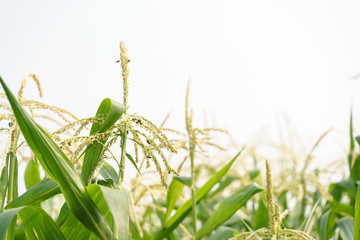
[339, 207]
[3, 186]
[185, 180]
[357, 215]
[352, 143]
[254, 173]
[357, 138]
[185, 209]
[40, 192]
[63, 215]
[60, 169]
[112, 203]
[32, 174]
[118, 204]
[223, 184]
[20, 234]
[13, 177]
[346, 228]
[93, 154]
[223, 232]
[261, 215]
[133, 162]
[227, 208]
[36, 222]
[305, 227]
[346, 185]
[175, 190]
[327, 223]
[108, 172]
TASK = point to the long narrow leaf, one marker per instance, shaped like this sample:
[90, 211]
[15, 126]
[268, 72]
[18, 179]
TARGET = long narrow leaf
[38, 193]
[251, 231]
[60, 169]
[185, 209]
[3, 186]
[118, 203]
[227, 208]
[112, 203]
[36, 222]
[133, 162]
[305, 227]
[357, 215]
[261, 215]
[327, 223]
[13, 177]
[346, 228]
[175, 190]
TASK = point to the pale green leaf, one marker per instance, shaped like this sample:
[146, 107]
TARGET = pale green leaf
[227, 208]
[175, 190]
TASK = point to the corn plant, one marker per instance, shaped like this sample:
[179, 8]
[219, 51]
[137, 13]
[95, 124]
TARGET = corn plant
[340, 218]
[92, 209]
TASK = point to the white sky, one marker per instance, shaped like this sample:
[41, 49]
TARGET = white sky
[250, 61]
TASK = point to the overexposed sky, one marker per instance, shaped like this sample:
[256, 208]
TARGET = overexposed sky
[250, 62]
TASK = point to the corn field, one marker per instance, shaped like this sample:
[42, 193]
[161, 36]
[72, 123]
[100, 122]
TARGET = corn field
[185, 186]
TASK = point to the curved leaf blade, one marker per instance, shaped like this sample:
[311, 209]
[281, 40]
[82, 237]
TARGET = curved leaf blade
[118, 204]
[108, 172]
[113, 111]
[346, 228]
[60, 169]
[36, 222]
[112, 203]
[175, 190]
[227, 208]
[38, 193]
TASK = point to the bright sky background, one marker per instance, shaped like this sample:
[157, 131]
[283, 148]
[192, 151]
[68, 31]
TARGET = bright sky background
[250, 62]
